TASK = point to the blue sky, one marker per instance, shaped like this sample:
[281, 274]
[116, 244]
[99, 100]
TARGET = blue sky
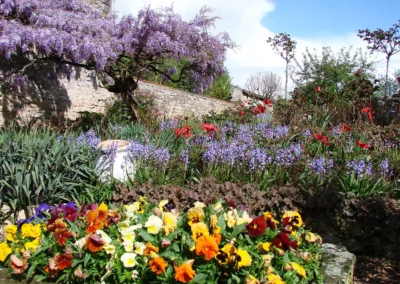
[316, 18]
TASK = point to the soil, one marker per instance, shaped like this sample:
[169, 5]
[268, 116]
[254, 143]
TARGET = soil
[376, 270]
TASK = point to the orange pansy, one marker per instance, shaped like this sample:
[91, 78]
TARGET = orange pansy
[150, 249]
[184, 273]
[207, 246]
[158, 265]
[95, 218]
[94, 243]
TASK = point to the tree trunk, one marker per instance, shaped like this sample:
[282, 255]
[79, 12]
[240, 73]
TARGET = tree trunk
[286, 80]
[387, 76]
[131, 102]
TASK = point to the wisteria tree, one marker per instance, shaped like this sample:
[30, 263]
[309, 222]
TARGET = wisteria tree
[69, 32]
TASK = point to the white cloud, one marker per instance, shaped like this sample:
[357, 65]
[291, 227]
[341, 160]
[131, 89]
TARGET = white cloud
[242, 20]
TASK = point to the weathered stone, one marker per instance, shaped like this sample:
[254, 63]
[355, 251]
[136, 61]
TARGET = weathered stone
[337, 264]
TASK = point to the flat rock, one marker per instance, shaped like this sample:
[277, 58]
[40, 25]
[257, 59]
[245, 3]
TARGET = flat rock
[337, 264]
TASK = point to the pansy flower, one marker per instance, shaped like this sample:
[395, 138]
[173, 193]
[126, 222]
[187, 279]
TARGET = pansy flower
[94, 243]
[257, 227]
[226, 254]
[158, 265]
[282, 241]
[5, 251]
[59, 228]
[292, 220]
[95, 218]
[195, 215]
[17, 265]
[184, 273]
[206, 246]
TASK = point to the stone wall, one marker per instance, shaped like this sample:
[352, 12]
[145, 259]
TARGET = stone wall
[103, 5]
[58, 98]
[170, 102]
[54, 98]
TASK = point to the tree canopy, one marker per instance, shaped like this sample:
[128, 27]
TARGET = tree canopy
[35, 32]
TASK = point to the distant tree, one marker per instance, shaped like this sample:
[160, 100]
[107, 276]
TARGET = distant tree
[266, 84]
[285, 47]
[337, 82]
[221, 88]
[387, 42]
[34, 33]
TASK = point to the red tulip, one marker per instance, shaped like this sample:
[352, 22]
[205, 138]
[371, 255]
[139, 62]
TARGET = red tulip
[346, 128]
[363, 145]
[319, 89]
[268, 102]
[368, 111]
[241, 113]
[259, 109]
[322, 139]
[209, 128]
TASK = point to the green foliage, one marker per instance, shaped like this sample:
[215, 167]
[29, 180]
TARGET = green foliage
[36, 168]
[221, 88]
[340, 83]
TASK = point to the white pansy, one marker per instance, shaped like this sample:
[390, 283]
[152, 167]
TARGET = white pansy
[128, 246]
[139, 248]
[153, 224]
[129, 259]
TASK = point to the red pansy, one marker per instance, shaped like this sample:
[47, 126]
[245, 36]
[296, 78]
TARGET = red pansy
[282, 241]
[257, 227]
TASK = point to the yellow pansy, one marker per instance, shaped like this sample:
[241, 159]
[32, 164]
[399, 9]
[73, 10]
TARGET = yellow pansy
[198, 230]
[267, 259]
[243, 258]
[274, 279]
[313, 238]
[162, 204]
[213, 220]
[226, 254]
[231, 218]
[11, 233]
[170, 222]
[195, 215]
[32, 246]
[299, 269]
[244, 219]
[264, 247]
[292, 218]
[5, 250]
[31, 231]
[251, 280]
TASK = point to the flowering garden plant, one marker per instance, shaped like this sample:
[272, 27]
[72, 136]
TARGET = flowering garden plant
[141, 242]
